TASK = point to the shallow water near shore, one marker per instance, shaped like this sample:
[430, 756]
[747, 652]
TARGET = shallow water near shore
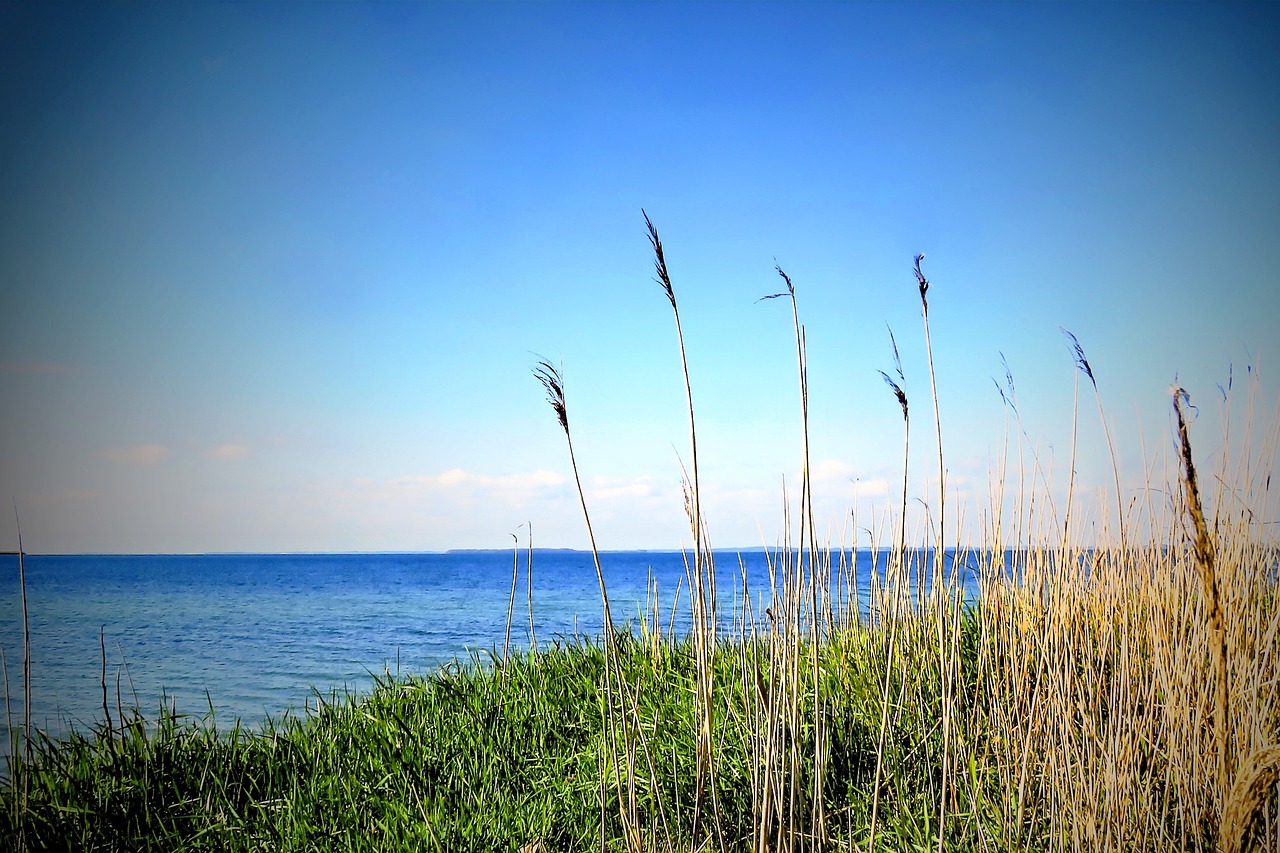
[256, 635]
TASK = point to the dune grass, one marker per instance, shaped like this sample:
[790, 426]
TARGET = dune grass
[471, 757]
[1119, 694]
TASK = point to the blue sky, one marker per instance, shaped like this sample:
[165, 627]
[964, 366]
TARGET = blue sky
[275, 275]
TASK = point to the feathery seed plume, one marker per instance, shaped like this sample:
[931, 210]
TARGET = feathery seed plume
[922, 281]
[553, 381]
[659, 261]
[1081, 361]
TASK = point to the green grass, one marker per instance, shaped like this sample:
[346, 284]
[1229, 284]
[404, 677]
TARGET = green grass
[472, 757]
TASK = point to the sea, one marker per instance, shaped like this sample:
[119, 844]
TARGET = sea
[246, 637]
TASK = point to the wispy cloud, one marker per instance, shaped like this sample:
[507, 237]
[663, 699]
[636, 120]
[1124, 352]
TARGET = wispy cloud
[833, 469]
[139, 454]
[435, 498]
[37, 368]
[843, 479]
[230, 452]
[605, 488]
[458, 479]
[875, 488]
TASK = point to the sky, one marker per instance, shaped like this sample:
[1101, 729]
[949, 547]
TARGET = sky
[273, 277]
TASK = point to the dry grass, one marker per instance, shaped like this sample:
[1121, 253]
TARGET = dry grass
[1094, 697]
[1105, 671]
[1254, 784]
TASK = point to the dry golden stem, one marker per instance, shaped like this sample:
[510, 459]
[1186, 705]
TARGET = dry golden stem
[1254, 783]
[1206, 563]
[703, 579]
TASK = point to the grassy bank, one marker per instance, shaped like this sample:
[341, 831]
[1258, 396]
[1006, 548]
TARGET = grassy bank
[476, 757]
[1116, 694]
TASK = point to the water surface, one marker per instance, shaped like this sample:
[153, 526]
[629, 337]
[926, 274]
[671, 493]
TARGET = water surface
[256, 635]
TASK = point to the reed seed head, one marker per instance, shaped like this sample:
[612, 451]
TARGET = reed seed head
[1227, 390]
[1008, 394]
[897, 359]
[790, 291]
[1181, 397]
[897, 392]
[1081, 361]
[1000, 391]
[922, 281]
[552, 380]
[659, 261]
[1008, 383]
[790, 287]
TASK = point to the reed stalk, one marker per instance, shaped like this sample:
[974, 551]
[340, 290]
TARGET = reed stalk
[528, 579]
[1083, 364]
[511, 605]
[939, 553]
[617, 692]
[703, 576]
[807, 570]
[106, 710]
[12, 759]
[939, 559]
[553, 382]
[8, 711]
[1206, 562]
[26, 670]
[896, 571]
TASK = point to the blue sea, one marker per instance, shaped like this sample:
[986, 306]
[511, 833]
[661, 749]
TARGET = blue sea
[258, 635]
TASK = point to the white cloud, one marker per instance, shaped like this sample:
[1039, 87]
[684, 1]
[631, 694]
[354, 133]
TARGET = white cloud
[230, 451]
[452, 477]
[458, 479]
[605, 488]
[457, 487]
[832, 469]
[871, 488]
[139, 454]
[845, 481]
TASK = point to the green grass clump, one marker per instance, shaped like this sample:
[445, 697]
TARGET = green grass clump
[469, 754]
[495, 757]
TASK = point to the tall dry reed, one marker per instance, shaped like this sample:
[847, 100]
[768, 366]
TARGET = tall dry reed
[896, 587]
[553, 382]
[702, 579]
[808, 576]
[625, 740]
[26, 674]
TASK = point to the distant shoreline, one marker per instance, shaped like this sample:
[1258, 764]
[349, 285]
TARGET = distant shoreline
[755, 549]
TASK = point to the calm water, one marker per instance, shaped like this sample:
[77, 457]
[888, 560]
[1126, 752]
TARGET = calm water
[259, 634]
